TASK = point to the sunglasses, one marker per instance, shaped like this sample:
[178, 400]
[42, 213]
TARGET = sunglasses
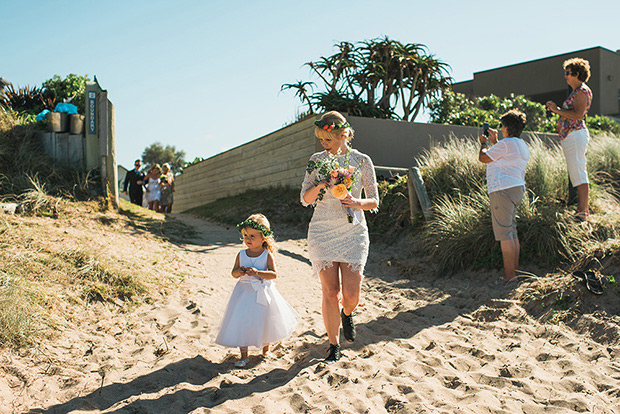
[568, 73]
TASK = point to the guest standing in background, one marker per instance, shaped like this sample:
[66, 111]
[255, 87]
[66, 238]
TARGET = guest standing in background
[166, 184]
[135, 180]
[574, 135]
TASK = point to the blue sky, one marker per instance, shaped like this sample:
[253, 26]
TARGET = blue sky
[205, 76]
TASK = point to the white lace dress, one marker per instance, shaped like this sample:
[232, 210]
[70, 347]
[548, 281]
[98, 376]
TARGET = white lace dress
[331, 237]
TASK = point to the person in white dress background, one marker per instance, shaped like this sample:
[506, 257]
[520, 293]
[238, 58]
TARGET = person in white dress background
[256, 314]
[153, 192]
[338, 244]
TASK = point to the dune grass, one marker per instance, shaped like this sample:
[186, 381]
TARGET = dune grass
[52, 264]
[460, 234]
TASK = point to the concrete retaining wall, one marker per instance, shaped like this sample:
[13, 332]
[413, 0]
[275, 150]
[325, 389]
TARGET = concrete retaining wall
[280, 158]
[277, 159]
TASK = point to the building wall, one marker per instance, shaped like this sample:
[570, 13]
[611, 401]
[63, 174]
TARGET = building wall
[280, 158]
[543, 79]
[610, 82]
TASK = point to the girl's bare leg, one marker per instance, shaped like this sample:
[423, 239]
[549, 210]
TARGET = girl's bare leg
[244, 352]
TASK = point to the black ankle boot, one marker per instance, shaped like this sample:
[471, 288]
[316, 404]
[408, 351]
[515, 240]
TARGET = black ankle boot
[348, 328]
[333, 353]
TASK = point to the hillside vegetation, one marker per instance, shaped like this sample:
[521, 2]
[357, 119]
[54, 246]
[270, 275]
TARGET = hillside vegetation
[57, 253]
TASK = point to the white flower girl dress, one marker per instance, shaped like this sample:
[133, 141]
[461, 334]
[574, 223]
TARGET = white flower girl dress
[256, 314]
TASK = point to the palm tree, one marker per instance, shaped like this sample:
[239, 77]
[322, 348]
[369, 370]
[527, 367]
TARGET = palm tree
[374, 77]
[301, 92]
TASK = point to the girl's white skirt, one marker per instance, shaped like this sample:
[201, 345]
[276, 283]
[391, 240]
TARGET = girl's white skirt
[256, 315]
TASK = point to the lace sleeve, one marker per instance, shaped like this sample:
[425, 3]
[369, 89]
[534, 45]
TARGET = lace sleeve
[369, 181]
[309, 180]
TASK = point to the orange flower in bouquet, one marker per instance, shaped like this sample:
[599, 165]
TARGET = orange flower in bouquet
[340, 191]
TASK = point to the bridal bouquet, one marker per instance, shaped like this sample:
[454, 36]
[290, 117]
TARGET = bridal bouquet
[339, 179]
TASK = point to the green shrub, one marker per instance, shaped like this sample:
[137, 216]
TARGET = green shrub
[457, 109]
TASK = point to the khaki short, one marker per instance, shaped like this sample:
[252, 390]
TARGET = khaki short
[504, 205]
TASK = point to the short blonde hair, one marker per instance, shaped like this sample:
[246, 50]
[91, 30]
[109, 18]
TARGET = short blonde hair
[166, 165]
[269, 242]
[333, 117]
[578, 66]
[156, 167]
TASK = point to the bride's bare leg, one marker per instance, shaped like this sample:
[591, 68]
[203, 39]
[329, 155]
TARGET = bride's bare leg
[330, 285]
[351, 288]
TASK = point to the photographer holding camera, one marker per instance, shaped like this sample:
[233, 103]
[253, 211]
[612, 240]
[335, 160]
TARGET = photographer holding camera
[506, 162]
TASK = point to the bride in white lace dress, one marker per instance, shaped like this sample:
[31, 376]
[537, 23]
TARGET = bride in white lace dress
[338, 245]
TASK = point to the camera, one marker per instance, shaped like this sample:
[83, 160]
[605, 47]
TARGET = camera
[485, 129]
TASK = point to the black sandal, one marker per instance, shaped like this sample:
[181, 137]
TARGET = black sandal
[333, 354]
[593, 283]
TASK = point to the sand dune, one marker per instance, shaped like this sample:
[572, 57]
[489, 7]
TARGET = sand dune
[425, 345]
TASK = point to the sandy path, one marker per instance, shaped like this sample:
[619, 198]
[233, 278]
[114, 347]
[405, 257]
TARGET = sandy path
[450, 345]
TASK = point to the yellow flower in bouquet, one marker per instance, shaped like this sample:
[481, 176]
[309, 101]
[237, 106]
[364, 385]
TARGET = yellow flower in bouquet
[339, 191]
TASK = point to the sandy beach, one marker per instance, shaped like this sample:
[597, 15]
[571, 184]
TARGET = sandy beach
[426, 344]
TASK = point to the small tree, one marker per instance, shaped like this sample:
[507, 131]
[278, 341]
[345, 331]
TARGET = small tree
[158, 154]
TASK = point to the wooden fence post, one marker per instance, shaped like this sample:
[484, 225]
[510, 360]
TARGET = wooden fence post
[418, 194]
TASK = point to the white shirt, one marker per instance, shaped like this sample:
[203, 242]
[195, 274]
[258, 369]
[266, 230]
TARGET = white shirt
[507, 169]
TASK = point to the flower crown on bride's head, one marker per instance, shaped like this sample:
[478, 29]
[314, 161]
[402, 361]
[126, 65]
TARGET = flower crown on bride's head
[330, 126]
[254, 225]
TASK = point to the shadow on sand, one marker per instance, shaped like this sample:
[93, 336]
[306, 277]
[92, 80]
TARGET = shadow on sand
[196, 371]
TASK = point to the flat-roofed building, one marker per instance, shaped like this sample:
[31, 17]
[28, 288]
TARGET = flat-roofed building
[541, 80]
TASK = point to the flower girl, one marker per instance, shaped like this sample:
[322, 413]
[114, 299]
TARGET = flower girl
[256, 314]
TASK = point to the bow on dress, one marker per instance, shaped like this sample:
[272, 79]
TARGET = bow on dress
[262, 295]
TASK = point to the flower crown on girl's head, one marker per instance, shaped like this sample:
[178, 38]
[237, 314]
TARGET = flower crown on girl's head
[330, 126]
[254, 225]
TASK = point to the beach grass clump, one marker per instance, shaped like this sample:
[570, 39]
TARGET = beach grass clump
[99, 279]
[18, 315]
[460, 233]
[546, 176]
[449, 169]
[604, 161]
